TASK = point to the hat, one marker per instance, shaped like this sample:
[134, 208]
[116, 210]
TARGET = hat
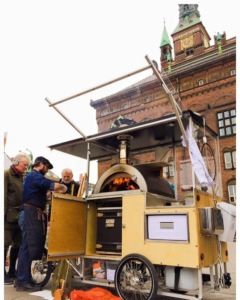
[43, 160]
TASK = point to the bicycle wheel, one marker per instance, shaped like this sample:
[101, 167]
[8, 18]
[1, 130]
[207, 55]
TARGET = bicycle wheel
[208, 156]
[41, 270]
[136, 278]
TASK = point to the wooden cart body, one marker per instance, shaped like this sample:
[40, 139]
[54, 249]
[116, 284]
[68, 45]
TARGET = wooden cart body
[74, 227]
[73, 234]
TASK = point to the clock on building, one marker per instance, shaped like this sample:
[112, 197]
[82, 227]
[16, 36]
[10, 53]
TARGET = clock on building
[186, 42]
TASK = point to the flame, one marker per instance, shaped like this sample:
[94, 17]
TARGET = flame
[121, 180]
[122, 183]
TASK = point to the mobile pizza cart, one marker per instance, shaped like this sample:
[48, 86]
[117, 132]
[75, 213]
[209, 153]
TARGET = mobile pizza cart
[146, 228]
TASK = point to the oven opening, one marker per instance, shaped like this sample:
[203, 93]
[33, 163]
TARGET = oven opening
[119, 182]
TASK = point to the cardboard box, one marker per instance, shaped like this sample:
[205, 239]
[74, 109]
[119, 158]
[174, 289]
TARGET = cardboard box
[111, 269]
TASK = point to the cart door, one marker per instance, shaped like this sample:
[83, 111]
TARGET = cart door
[67, 229]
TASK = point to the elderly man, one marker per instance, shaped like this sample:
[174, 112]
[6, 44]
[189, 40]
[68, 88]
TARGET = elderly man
[33, 220]
[67, 179]
[13, 191]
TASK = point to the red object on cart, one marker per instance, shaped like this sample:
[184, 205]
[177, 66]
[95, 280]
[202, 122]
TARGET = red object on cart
[93, 294]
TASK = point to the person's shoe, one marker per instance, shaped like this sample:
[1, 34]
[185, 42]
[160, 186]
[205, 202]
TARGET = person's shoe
[8, 281]
[12, 276]
[27, 287]
[15, 284]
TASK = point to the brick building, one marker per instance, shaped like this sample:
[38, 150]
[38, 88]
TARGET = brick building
[203, 74]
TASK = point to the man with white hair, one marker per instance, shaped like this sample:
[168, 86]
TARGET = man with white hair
[67, 179]
[13, 192]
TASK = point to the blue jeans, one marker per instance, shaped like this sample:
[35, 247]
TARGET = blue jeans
[32, 223]
[21, 219]
[24, 262]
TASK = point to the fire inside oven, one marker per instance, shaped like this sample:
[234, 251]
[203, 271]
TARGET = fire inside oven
[119, 182]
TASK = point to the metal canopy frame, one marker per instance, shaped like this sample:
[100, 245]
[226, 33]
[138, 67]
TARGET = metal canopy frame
[170, 94]
[147, 135]
[163, 131]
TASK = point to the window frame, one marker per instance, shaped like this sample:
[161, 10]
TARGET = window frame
[189, 51]
[226, 122]
[169, 171]
[231, 163]
[201, 82]
[231, 188]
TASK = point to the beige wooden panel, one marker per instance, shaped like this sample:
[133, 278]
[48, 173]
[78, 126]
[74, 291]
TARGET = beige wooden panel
[209, 250]
[67, 232]
[171, 253]
[198, 251]
[91, 229]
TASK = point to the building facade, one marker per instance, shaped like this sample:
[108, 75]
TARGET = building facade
[203, 74]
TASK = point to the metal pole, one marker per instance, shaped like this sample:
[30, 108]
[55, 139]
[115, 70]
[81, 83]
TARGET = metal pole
[100, 86]
[88, 168]
[74, 126]
[175, 106]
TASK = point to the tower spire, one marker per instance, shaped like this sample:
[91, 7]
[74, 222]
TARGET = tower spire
[165, 37]
[166, 49]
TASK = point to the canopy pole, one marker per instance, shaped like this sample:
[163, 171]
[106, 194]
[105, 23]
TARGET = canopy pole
[88, 169]
[175, 106]
[64, 117]
[100, 86]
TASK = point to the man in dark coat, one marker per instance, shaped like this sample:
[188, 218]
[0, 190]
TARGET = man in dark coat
[67, 179]
[13, 190]
[33, 220]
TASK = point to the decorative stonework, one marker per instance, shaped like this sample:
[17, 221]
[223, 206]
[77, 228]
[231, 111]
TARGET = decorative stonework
[188, 11]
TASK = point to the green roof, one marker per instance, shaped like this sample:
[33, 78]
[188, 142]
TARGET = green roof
[186, 24]
[165, 38]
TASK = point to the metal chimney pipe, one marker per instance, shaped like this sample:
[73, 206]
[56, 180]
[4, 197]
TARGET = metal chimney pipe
[123, 147]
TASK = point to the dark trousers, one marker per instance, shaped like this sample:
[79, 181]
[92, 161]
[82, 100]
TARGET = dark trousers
[33, 229]
[12, 237]
[24, 263]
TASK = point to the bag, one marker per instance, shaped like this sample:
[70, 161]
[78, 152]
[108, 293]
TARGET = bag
[12, 215]
[96, 293]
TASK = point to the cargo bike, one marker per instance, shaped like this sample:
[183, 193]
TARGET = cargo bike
[150, 227]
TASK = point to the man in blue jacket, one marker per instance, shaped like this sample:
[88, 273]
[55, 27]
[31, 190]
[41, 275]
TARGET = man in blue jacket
[33, 220]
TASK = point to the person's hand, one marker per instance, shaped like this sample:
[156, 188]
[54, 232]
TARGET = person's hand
[64, 188]
[60, 188]
[49, 195]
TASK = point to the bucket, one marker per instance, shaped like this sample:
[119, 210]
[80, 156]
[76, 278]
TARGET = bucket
[188, 278]
[229, 221]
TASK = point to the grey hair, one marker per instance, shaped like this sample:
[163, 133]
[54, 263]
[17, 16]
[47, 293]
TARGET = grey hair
[66, 170]
[16, 159]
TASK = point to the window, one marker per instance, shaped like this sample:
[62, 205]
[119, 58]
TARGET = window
[200, 82]
[232, 191]
[227, 122]
[233, 72]
[230, 159]
[168, 171]
[189, 52]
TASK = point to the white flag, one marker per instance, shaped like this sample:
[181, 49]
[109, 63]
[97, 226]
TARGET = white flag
[198, 163]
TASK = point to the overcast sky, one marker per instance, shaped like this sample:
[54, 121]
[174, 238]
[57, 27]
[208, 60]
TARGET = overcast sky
[57, 48]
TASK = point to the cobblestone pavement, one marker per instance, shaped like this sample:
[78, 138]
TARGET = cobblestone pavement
[225, 294]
